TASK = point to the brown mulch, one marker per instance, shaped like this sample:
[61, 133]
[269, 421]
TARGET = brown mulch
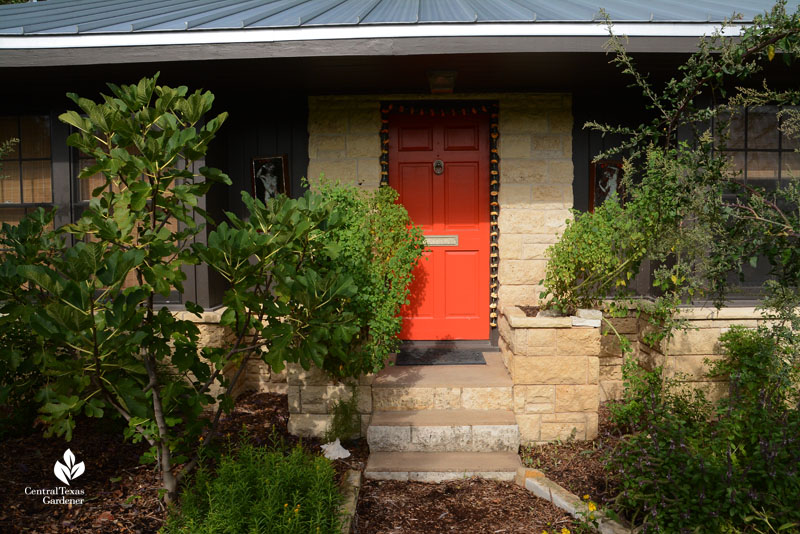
[121, 494]
[462, 506]
[578, 465]
[530, 311]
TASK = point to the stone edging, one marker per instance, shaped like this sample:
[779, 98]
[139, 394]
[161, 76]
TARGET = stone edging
[351, 487]
[544, 488]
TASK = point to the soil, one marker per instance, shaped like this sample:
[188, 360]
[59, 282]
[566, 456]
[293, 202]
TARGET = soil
[578, 466]
[461, 506]
[530, 311]
[121, 495]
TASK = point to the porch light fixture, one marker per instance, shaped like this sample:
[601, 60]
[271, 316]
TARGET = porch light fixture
[442, 81]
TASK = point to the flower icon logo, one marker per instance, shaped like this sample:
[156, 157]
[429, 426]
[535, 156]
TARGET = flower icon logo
[69, 470]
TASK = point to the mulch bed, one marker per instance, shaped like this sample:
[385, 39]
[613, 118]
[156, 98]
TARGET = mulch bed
[121, 494]
[462, 506]
[578, 465]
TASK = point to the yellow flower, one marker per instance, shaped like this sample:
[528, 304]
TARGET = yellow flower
[586, 497]
[592, 507]
[565, 530]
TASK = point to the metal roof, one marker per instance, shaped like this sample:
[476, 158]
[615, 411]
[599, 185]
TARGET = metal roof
[91, 17]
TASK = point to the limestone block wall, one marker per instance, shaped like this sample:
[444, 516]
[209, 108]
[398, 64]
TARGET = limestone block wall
[685, 355]
[312, 396]
[257, 377]
[536, 171]
[611, 354]
[556, 372]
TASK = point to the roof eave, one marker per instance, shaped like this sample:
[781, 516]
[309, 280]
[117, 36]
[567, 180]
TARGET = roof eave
[361, 40]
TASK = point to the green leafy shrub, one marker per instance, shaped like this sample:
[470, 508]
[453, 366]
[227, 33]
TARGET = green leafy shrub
[379, 248]
[87, 314]
[258, 490]
[692, 466]
[21, 376]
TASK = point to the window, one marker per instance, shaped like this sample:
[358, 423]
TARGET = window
[27, 171]
[764, 155]
[765, 158]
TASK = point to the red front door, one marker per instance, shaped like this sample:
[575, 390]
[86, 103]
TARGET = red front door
[440, 168]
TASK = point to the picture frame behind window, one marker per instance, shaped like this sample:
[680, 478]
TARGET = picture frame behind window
[270, 177]
[605, 178]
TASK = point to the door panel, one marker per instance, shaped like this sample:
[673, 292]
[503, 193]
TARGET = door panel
[416, 188]
[462, 196]
[461, 138]
[464, 267]
[450, 294]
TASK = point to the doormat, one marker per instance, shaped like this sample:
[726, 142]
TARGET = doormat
[439, 356]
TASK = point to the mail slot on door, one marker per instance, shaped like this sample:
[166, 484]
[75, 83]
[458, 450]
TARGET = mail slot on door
[441, 240]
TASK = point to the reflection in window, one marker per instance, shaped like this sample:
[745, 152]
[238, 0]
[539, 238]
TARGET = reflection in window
[27, 176]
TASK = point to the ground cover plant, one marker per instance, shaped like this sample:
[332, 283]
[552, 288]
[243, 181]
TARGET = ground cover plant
[260, 489]
[688, 464]
[79, 311]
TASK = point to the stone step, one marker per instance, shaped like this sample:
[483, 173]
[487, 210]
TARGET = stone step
[444, 387]
[441, 466]
[444, 431]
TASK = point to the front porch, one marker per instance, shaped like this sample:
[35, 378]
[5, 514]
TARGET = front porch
[439, 422]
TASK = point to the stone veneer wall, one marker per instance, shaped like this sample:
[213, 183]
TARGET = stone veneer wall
[257, 377]
[312, 396]
[536, 170]
[555, 369]
[684, 355]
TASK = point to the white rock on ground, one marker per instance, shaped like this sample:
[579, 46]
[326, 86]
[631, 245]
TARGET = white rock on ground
[335, 451]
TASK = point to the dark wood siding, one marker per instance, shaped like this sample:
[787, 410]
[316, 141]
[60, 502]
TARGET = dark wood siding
[270, 125]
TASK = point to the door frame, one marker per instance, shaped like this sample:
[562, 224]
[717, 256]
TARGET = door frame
[445, 108]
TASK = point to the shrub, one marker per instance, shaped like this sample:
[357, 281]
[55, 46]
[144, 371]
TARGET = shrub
[692, 466]
[21, 376]
[86, 318]
[379, 248]
[258, 490]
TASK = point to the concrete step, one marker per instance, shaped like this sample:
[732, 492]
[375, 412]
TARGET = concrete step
[444, 387]
[441, 466]
[444, 431]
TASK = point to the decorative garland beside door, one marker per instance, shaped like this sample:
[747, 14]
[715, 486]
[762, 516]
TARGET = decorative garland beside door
[444, 109]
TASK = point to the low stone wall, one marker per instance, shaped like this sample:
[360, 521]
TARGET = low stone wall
[555, 369]
[683, 357]
[312, 397]
[257, 377]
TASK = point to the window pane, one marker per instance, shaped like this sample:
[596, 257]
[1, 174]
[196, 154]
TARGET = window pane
[36, 182]
[9, 183]
[11, 215]
[735, 129]
[793, 142]
[736, 162]
[8, 130]
[87, 185]
[762, 127]
[34, 136]
[762, 169]
[790, 168]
